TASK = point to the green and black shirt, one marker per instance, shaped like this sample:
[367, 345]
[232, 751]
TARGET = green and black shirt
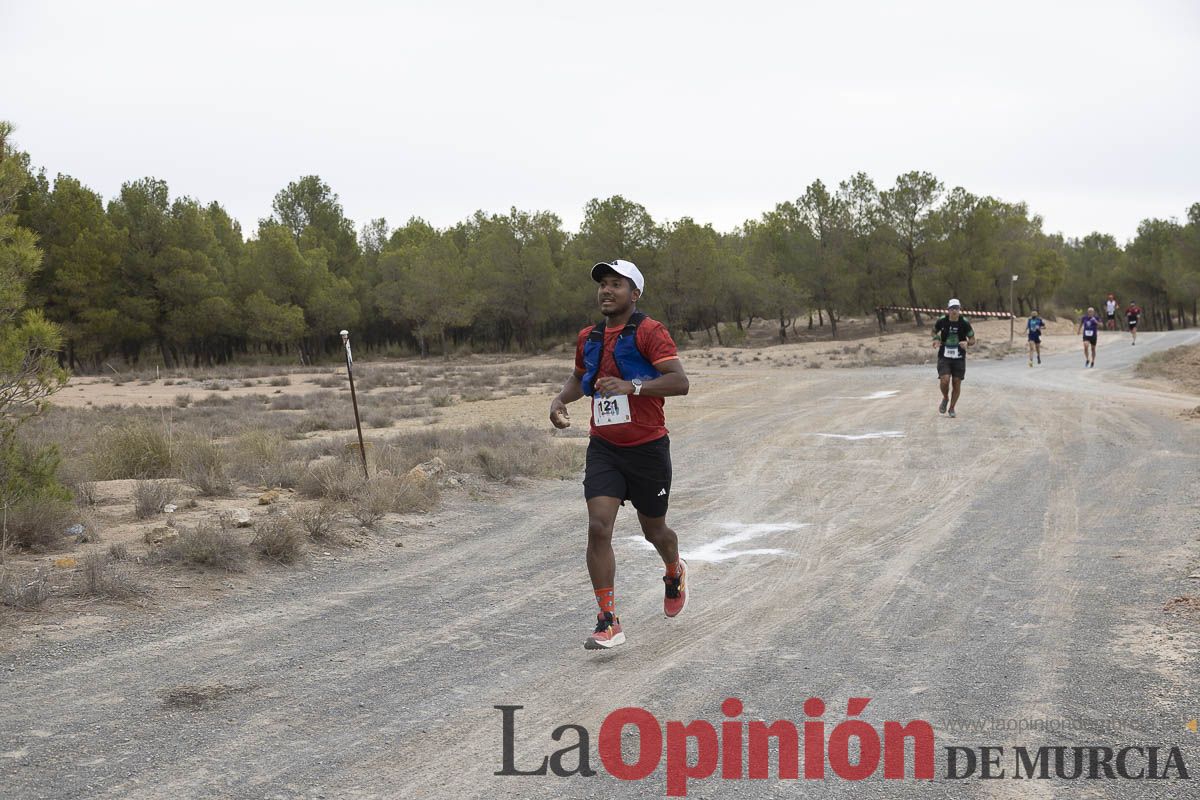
[952, 334]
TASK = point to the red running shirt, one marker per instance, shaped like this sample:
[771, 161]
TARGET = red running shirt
[648, 420]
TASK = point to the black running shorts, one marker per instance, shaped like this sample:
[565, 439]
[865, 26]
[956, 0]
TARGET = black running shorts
[1090, 339]
[954, 367]
[640, 474]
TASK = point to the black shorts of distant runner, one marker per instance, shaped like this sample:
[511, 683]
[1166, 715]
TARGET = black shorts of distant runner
[640, 474]
[954, 367]
[1090, 339]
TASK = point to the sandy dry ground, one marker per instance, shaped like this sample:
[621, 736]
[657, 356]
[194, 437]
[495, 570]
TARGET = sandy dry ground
[846, 541]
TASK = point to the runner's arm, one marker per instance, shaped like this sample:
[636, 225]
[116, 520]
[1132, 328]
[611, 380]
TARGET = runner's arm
[673, 382]
[572, 390]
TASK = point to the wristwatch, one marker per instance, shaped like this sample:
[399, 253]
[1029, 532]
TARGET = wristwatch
[637, 385]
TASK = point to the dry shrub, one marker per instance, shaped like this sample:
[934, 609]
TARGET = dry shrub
[378, 418]
[279, 539]
[149, 497]
[265, 458]
[134, 449]
[334, 479]
[420, 494]
[375, 377]
[290, 402]
[319, 521]
[38, 523]
[97, 578]
[84, 493]
[374, 499]
[497, 464]
[476, 394]
[551, 375]
[385, 494]
[280, 380]
[203, 465]
[118, 551]
[24, 594]
[416, 412]
[494, 451]
[183, 400]
[398, 405]
[205, 545]
[440, 398]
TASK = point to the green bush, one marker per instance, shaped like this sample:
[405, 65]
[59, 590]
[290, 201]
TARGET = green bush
[35, 509]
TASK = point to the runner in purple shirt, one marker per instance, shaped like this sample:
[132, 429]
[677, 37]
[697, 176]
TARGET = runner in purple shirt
[1090, 324]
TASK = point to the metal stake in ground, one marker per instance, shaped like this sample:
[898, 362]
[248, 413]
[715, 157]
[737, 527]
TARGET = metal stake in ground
[362, 448]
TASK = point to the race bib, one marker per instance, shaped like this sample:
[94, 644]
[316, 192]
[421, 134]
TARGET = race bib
[610, 410]
[951, 352]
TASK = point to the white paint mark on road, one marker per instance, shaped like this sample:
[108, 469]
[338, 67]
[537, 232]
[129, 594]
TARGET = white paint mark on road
[857, 437]
[722, 548]
[885, 394]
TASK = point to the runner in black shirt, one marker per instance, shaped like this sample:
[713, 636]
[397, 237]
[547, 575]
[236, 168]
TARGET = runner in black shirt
[950, 335]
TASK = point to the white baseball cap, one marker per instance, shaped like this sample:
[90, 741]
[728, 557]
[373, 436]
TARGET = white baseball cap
[953, 302]
[624, 268]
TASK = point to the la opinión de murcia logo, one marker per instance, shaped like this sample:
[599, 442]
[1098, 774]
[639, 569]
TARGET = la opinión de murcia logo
[738, 749]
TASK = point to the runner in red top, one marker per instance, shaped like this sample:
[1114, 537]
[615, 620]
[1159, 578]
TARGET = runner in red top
[629, 455]
[1132, 315]
[649, 422]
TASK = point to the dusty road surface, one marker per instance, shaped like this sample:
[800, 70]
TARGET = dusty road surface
[1002, 570]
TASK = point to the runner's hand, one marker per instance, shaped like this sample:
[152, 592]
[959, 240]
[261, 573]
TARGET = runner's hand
[559, 417]
[609, 386]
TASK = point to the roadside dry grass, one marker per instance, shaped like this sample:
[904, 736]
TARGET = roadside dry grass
[99, 576]
[24, 593]
[150, 497]
[1179, 365]
[279, 539]
[318, 520]
[499, 452]
[164, 482]
[205, 545]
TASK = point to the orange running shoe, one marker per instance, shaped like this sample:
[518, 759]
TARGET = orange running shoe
[608, 633]
[676, 598]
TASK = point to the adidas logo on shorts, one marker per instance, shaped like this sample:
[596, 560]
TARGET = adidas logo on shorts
[662, 492]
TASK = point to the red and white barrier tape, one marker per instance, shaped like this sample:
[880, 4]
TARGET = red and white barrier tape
[966, 313]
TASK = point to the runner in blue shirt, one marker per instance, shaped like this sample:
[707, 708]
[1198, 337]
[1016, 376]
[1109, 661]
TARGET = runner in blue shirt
[1034, 327]
[1090, 324]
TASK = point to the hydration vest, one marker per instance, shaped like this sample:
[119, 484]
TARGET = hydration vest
[630, 361]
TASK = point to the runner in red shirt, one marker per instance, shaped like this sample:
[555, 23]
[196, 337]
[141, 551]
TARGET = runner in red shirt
[629, 455]
[1132, 315]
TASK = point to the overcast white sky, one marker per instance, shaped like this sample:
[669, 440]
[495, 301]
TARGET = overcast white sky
[1088, 111]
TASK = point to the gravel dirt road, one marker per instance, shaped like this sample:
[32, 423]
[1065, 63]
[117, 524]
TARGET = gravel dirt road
[845, 541]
